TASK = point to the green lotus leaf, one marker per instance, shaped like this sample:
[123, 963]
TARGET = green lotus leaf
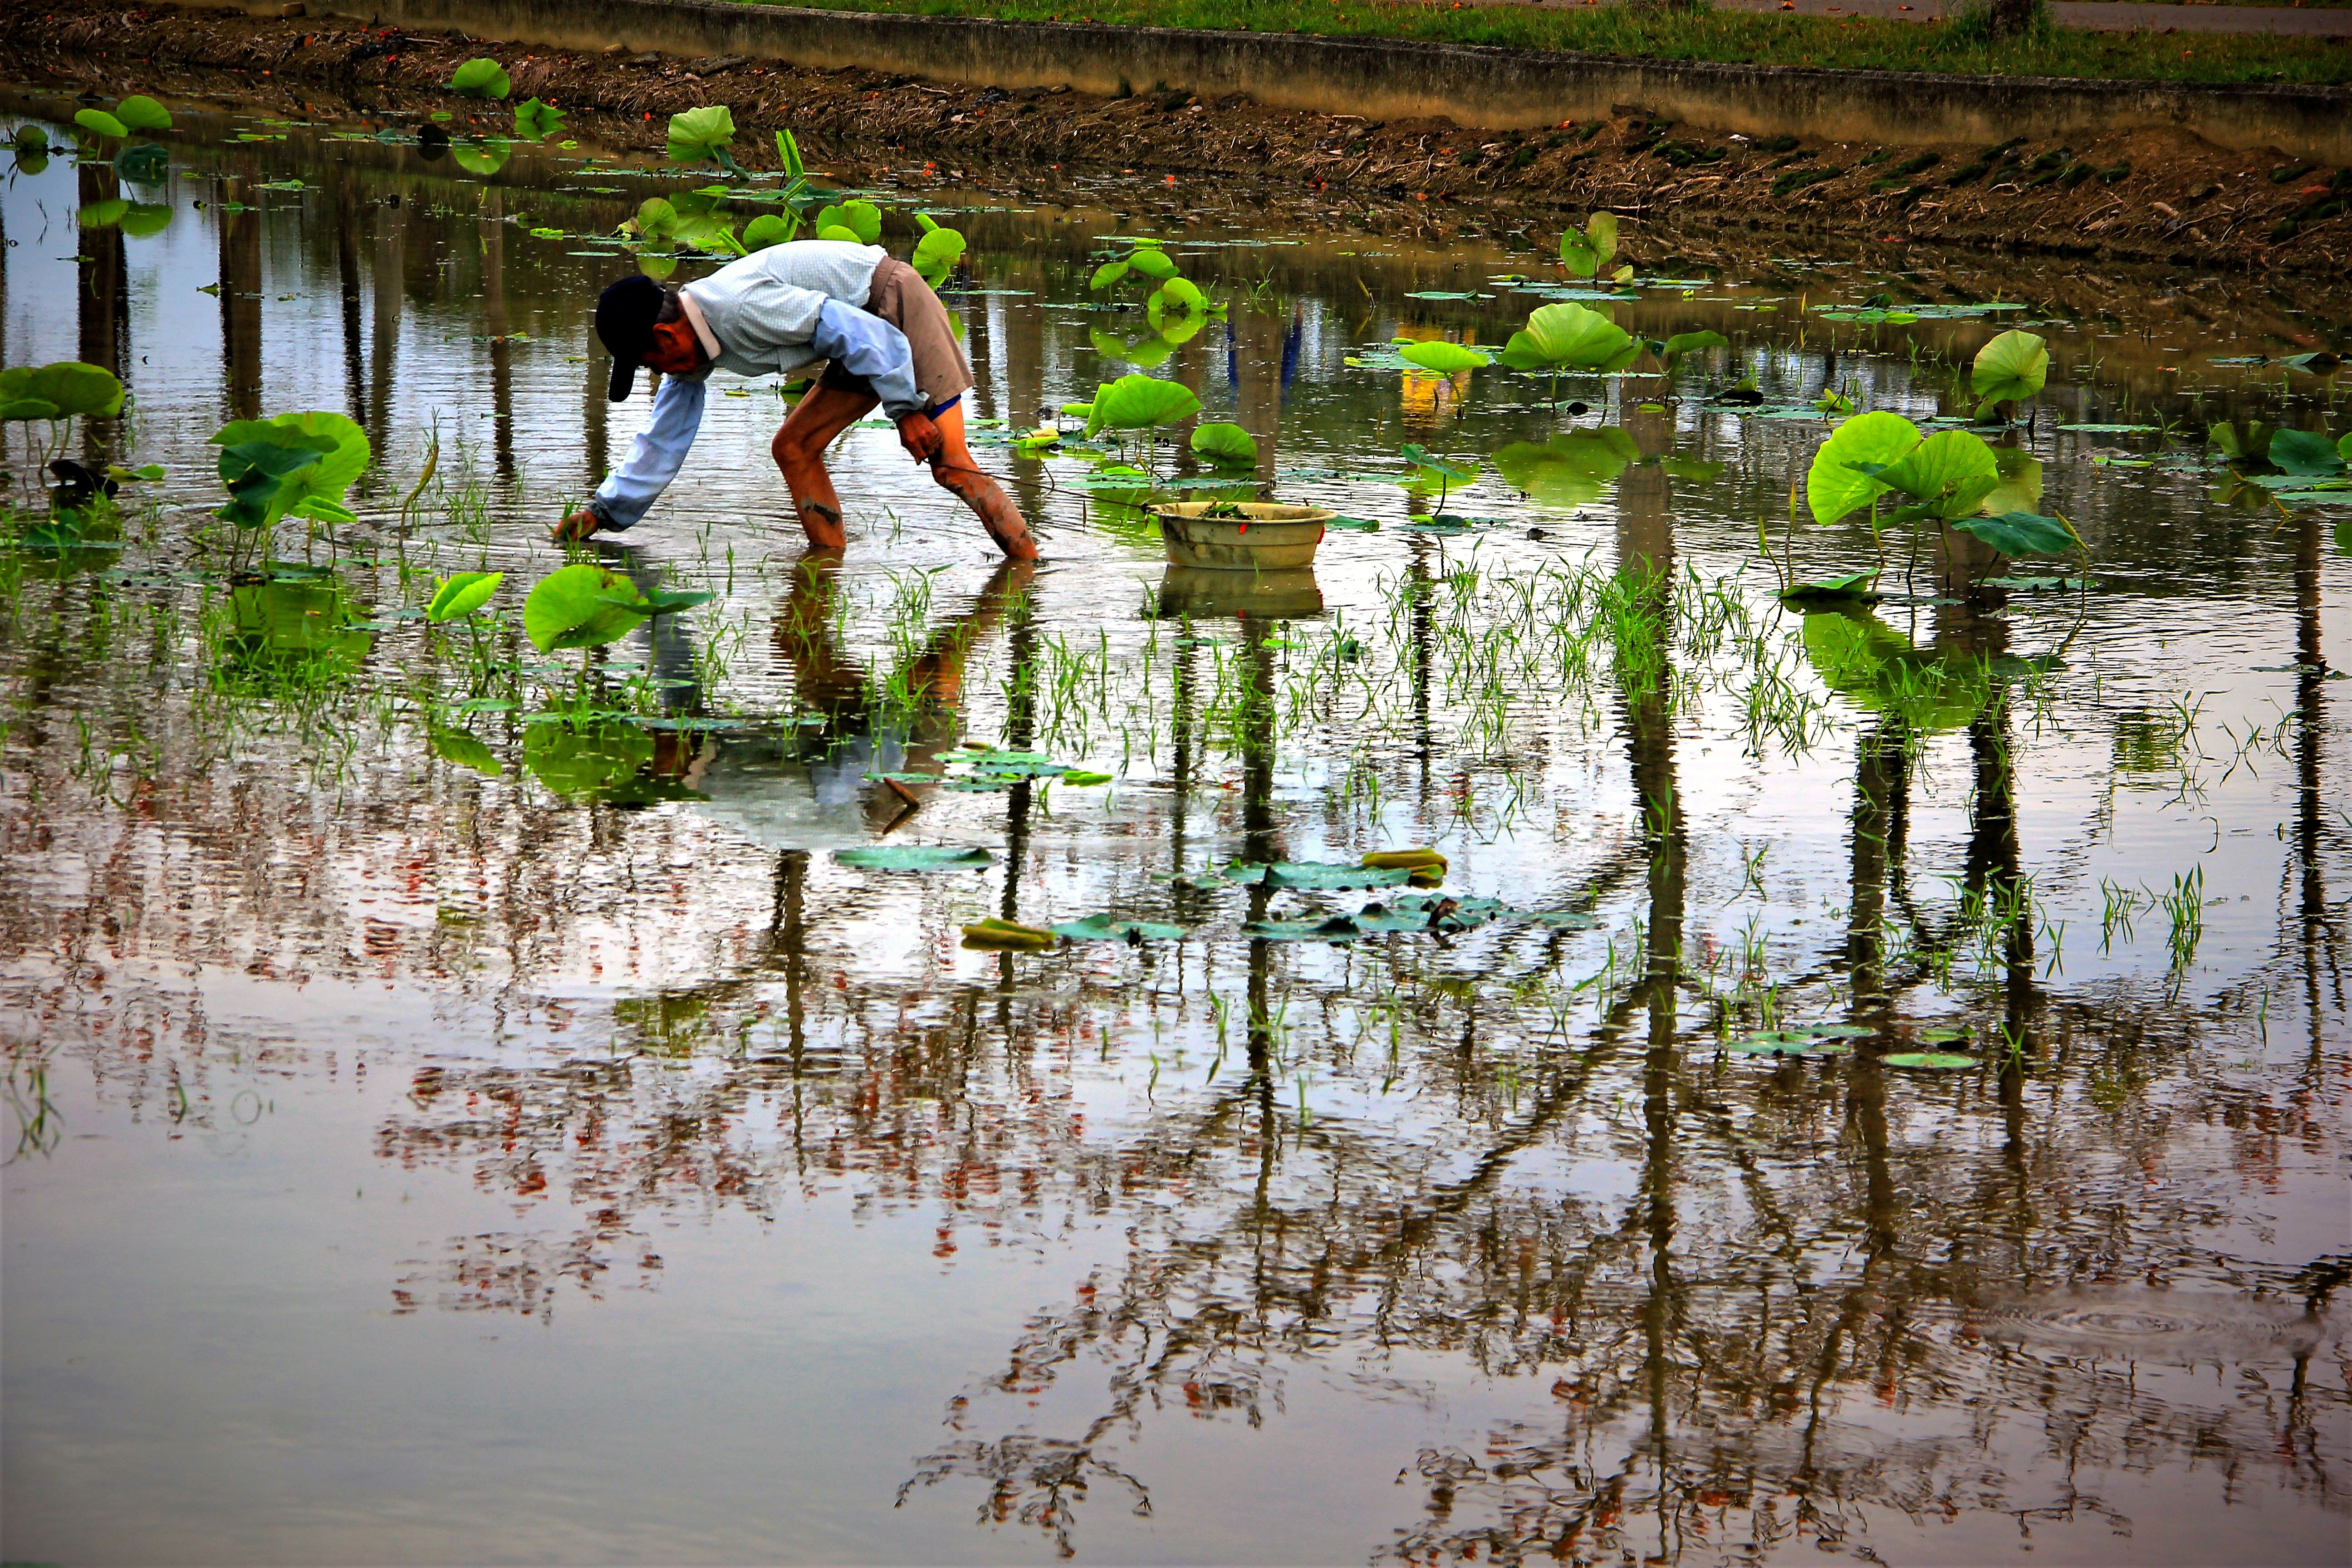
[2020, 533]
[1110, 927]
[1930, 1061]
[535, 121]
[481, 77]
[1319, 876]
[1950, 473]
[143, 221]
[1154, 264]
[2306, 452]
[833, 231]
[655, 218]
[699, 133]
[103, 215]
[1573, 468]
[2010, 368]
[580, 605]
[862, 221]
[1179, 298]
[29, 409]
[1443, 357]
[1109, 273]
[937, 253]
[461, 593]
[99, 122]
[1832, 485]
[320, 488]
[1225, 443]
[1570, 337]
[141, 113]
[767, 229]
[1682, 343]
[1139, 402]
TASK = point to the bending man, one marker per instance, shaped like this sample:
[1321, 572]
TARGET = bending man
[887, 341]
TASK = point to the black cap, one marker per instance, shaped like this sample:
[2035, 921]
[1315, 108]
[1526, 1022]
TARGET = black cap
[625, 314]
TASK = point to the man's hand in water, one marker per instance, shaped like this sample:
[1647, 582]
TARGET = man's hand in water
[576, 527]
[920, 438]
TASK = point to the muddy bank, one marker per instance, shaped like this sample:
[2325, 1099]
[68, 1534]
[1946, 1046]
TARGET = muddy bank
[2145, 195]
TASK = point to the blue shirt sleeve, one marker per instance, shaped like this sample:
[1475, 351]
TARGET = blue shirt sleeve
[655, 457]
[865, 345]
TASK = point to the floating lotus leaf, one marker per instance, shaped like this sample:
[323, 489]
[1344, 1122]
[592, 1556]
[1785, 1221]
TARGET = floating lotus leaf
[1930, 1061]
[2306, 452]
[994, 935]
[913, 858]
[2020, 533]
[143, 220]
[103, 215]
[1318, 877]
[1112, 928]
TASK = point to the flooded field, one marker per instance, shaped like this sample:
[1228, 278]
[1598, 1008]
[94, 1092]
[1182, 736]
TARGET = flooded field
[1868, 1078]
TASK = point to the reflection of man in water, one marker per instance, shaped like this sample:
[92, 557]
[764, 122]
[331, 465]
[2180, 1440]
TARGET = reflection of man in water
[868, 727]
[884, 337]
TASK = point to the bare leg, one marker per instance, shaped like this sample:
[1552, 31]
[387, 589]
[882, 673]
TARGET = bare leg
[957, 473]
[822, 414]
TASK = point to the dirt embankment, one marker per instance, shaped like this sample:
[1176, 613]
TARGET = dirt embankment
[2141, 195]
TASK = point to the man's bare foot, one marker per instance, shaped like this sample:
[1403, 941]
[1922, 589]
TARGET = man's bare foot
[822, 525]
[574, 528]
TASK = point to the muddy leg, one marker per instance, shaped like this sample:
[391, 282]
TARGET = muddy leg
[825, 412]
[957, 473]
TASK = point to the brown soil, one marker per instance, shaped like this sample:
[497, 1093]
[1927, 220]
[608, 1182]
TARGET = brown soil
[2140, 195]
